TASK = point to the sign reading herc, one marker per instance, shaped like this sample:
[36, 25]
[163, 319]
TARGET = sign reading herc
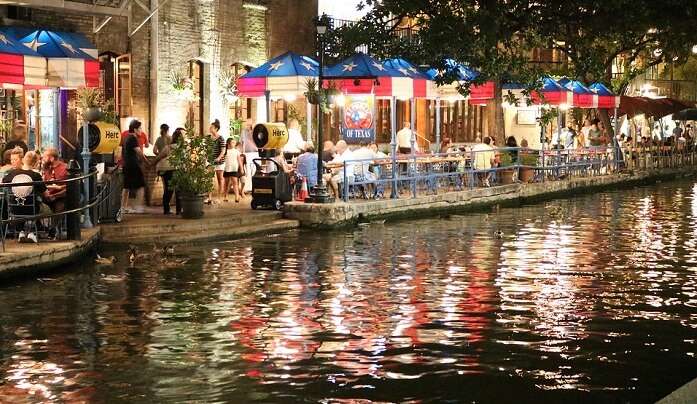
[359, 119]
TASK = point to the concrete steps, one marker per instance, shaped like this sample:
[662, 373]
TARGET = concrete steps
[142, 230]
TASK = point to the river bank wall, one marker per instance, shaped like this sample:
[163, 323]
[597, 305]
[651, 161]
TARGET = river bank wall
[345, 214]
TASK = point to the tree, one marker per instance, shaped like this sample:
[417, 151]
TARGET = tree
[493, 37]
[629, 35]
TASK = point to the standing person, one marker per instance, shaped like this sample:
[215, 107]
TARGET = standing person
[166, 171]
[133, 159]
[217, 158]
[163, 140]
[242, 172]
[404, 139]
[594, 134]
[143, 141]
[570, 142]
[233, 165]
[585, 134]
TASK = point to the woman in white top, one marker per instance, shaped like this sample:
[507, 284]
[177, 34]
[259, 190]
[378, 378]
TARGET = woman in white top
[232, 167]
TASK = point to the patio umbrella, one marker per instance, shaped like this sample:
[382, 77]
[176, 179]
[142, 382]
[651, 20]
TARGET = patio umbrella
[68, 65]
[582, 96]
[286, 74]
[606, 98]
[19, 66]
[361, 74]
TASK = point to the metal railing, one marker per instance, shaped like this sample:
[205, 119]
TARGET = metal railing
[418, 175]
[75, 200]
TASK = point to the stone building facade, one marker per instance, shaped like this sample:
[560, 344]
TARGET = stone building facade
[212, 35]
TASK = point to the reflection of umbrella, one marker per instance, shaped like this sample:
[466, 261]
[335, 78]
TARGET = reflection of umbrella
[689, 114]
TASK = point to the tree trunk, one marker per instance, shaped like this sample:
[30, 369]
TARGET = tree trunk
[496, 122]
[604, 117]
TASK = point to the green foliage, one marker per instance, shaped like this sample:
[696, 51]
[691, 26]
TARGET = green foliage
[293, 113]
[189, 159]
[527, 159]
[88, 97]
[547, 116]
[505, 159]
[109, 113]
[637, 34]
[322, 97]
[236, 129]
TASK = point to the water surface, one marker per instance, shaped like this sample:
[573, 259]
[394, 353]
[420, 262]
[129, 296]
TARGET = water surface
[587, 299]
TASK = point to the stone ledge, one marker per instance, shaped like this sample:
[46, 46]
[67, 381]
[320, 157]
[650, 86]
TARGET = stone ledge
[28, 259]
[342, 214]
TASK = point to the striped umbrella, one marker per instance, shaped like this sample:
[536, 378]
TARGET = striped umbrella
[19, 66]
[284, 75]
[68, 65]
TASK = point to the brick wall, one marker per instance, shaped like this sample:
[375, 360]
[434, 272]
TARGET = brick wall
[216, 32]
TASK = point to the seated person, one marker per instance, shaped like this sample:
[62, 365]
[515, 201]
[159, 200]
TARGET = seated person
[306, 166]
[343, 155]
[6, 163]
[25, 200]
[54, 170]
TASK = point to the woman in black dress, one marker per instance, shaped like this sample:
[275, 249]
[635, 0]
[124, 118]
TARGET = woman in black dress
[133, 179]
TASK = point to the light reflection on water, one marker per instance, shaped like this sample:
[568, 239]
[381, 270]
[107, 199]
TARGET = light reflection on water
[591, 298]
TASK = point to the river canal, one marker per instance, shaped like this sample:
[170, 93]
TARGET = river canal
[589, 299]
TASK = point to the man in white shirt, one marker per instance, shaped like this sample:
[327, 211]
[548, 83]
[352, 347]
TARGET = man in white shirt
[404, 139]
[343, 157]
[483, 159]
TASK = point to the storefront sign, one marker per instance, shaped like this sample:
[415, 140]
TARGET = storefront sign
[359, 119]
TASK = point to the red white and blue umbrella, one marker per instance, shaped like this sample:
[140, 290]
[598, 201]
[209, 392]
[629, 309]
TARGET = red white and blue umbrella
[68, 65]
[411, 78]
[553, 93]
[284, 75]
[582, 96]
[479, 93]
[361, 74]
[20, 66]
[606, 98]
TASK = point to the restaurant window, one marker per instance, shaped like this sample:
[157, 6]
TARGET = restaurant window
[195, 115]
[123, 96]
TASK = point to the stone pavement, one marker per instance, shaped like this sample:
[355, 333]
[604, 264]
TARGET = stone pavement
[24, 259]
[220, 221]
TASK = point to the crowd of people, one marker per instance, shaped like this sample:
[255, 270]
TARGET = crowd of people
[35, 189]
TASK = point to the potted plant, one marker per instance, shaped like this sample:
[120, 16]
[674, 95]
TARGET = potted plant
[193, 176]
[90, 102]
[506, 162]
[528, 160]
[311, 93]
[182, 86]
[228, 86]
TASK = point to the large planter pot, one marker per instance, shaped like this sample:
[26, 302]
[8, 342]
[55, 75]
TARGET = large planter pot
[312, 98]
[526, 174]
[192, 206]
[92, 114]
[507, 176]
